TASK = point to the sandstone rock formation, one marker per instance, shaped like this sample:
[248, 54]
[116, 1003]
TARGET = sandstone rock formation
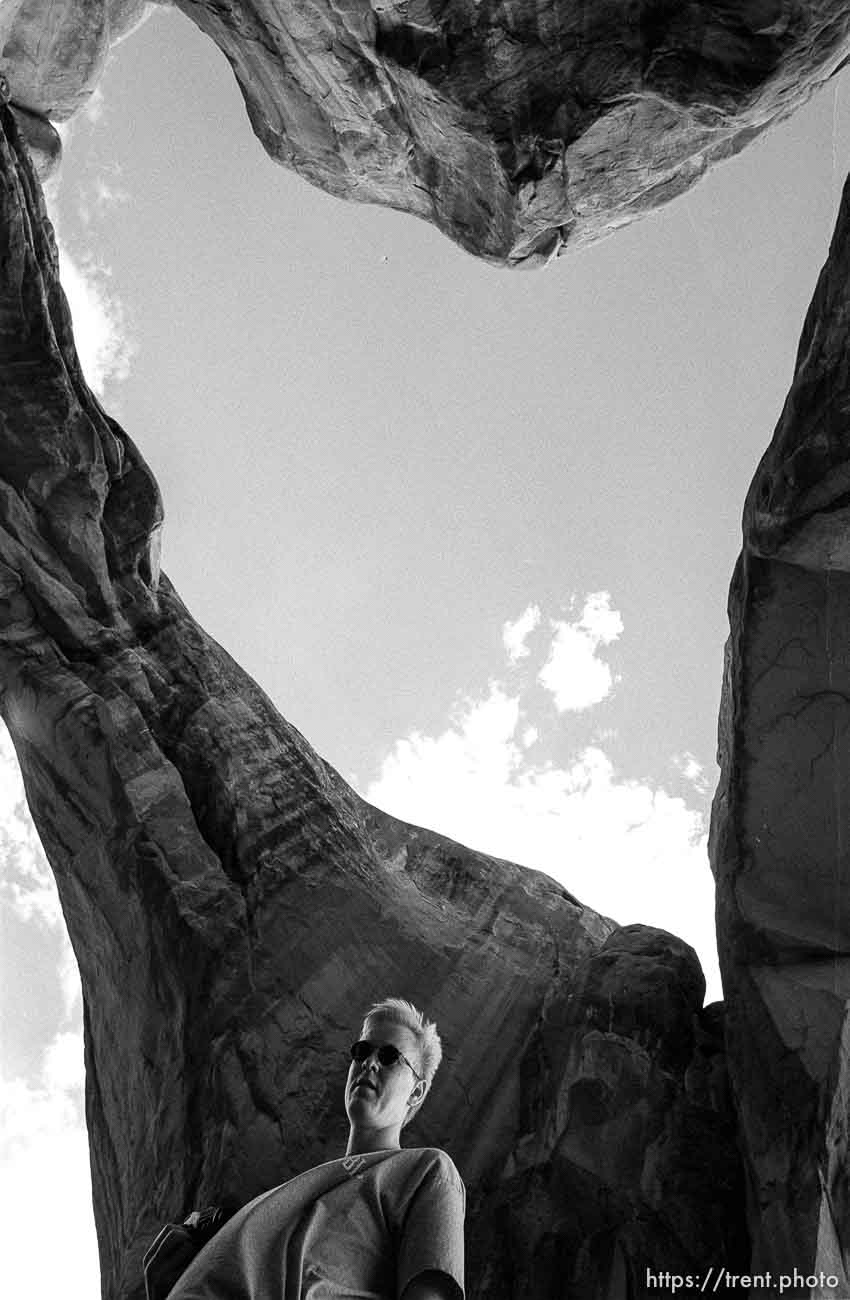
[780, 826]
[233, 904]
[51, 57]
[519, 129]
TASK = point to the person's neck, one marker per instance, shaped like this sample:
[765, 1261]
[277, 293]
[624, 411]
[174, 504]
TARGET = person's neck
[361, 1143]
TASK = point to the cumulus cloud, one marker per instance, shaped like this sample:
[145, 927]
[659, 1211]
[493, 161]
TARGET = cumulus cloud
[63, 1071]
[574, 673]
[448, 777]
[96, 199]
[101, 329]
[693, 771]
[69, 981]
[27, 884]
[100, 326]
[28, 1112]
[626, 847]
[26, 881]
[515, 635]
[108, 194]
[28, 888]
[45, 1183]
[94, 109]
[104, 193]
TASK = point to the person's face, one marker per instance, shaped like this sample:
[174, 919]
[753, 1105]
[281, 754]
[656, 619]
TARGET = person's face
[377, 1096]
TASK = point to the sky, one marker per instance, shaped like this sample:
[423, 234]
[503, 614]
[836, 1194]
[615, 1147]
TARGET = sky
[471, 530]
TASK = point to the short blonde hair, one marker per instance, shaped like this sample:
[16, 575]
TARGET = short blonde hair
[401, 1012]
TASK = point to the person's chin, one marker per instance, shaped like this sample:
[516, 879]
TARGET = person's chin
[361, 1100]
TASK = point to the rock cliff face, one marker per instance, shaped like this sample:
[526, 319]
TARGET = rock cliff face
[234, 905]
[51, 57]
[519, 129]
[780, 832]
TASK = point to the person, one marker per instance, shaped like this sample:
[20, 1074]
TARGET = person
[381, 1222]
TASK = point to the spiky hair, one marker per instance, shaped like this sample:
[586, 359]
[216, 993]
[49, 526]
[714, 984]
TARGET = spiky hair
[401, 1012]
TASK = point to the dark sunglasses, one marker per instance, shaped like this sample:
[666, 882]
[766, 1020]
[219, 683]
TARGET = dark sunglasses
[386, 1053]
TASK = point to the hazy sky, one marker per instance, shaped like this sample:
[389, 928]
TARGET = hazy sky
[471, 530]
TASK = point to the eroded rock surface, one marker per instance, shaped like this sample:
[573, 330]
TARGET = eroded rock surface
[625, 1123]
[780, 826]
[51, 58]
[519, 129]
[234, 905]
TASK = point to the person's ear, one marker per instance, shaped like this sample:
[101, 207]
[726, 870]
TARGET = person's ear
[418, 1093]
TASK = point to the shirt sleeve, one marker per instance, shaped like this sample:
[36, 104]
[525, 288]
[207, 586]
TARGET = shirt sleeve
[432, 1232]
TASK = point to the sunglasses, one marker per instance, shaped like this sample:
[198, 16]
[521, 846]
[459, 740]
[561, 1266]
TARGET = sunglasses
[386, 1053]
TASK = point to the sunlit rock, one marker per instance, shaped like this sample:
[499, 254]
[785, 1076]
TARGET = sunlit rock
[53, 54]
[520, 130]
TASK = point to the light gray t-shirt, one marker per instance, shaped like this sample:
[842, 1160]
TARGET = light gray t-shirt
[358, 1228]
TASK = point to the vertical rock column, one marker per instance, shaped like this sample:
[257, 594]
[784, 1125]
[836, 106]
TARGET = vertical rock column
[781, 819]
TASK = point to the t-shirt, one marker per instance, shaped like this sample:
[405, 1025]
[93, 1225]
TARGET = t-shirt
[357, 1228]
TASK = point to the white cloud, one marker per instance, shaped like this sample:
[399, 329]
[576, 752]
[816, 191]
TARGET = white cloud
[27, 883]
[100, 328]
[599, 621]
[101, 332]
[27, 1112]
[26, 880]
[45, 1182]
[476, 753]
[104, 192]
[64, 1070]
[69, 982]
[49, 1243]
[109, 195]
[573, 672]
[516, 634]
[626, 847]
[95, 106]
[693, 771]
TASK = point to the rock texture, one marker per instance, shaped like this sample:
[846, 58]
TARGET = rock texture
[51, 57]
[519, 129]
[234, 905]
[625, 1162]
[780, 825]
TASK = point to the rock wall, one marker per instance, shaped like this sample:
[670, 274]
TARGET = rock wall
[51, 58]
[234, 906]
[780, 823]
[518, 128]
